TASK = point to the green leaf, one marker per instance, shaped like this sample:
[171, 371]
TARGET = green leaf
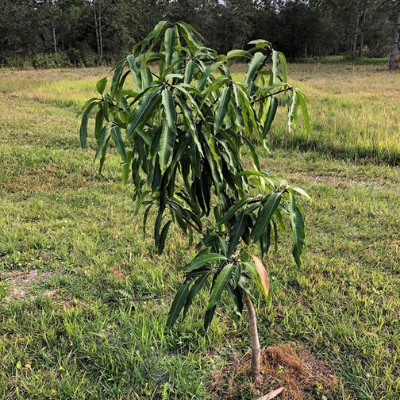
[302, 100]
[232, 210]
[260, 43]
[143, 111]
[103, 154]
[166, 145]
[208, 318]
[99, 123]
[84, 123]
[101, 142]
[177, 304]
[135, 70]
[255, 64]
[203, 259]
[101, 85]
[222, 108]
[198, 284]
[270, 116]
[201, 83]
[190, 66]
[283, 63]
[238, 54]
[220, 284]
[169, 45]
[236, 232]
[119, 143]
[163, 237]
[117, 77]
[275, 65]
[169, 109]
[298, 233]
[265, 215]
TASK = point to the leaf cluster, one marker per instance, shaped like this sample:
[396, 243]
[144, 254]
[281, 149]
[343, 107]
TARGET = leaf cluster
[185, 131]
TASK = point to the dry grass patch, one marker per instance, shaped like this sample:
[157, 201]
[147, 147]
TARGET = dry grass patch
[22, 282]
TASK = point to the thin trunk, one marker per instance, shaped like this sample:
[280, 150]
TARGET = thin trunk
[255, 343]
[355, 39]
[395, 48]
[100, 35]
[54, 37]
[360, 52]
[97, 28]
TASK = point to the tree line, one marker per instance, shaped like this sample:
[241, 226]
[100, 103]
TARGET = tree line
[91, 32]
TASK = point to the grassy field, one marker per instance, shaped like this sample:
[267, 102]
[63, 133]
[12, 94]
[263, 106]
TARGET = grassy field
[84, 297]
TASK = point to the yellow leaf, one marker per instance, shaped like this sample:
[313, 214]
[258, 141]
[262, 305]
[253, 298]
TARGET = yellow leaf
[19, 365]
[262, 273]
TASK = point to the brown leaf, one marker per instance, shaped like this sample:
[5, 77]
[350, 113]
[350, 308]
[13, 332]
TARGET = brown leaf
[262, 274]
[273, 394]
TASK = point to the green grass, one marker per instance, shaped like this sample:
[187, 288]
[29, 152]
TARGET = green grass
[84, 297]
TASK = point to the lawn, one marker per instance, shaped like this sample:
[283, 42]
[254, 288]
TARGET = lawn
[84, 295]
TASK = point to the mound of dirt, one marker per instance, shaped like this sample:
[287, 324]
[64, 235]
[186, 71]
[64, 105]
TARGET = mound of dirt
[301, 373]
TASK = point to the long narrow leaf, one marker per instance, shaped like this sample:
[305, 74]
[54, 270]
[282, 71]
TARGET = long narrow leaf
[177, 304]
[222, 108]
[265, 215]
[220, 284]
[298, 234]
[142, 111]
[166, 145]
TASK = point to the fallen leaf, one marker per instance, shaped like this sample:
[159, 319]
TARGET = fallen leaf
[273, 394]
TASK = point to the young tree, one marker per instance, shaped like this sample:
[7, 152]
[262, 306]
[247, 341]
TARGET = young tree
[189, 130]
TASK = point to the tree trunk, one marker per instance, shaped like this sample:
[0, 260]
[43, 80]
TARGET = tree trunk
[355, 39]
[97, 28]
[100, 35]
[255, 343]
[54, 36]
[395, 48]
[360, 51]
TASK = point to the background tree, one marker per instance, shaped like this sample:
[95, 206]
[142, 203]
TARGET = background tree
[185, 128]
[108, 29]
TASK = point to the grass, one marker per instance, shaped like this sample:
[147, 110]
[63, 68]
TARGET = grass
[84, 297]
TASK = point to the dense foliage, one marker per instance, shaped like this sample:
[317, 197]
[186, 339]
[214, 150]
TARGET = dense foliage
[90, 32]
[188, 139]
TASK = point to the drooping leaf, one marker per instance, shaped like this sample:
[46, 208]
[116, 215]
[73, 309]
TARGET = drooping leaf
[298, 233]
[275, 65]
[255, 64]
[198, 284]
[84, 122]
[265, 215]
[283, 64]
[177, 304]
[302, 100]
[208, 317]
[222, 108]
[262, 273]
[270, 116]
[119, 143]
[101, 142]
[236, 232]
[220, 284]
[142, 111]
[169, 109]
[167, 140]
[163, 237]
[169, 45]
[190, 67]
